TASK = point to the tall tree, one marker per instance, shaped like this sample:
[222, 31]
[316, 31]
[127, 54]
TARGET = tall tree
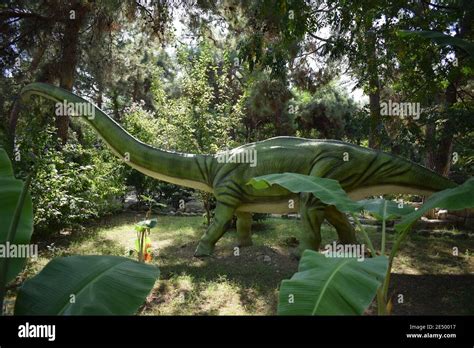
[55, 35]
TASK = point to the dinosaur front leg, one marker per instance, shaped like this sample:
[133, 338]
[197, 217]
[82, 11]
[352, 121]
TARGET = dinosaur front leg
[343, 227]
[244, 227]
[223, 215]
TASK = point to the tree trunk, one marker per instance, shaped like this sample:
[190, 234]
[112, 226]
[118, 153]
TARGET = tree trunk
[68, 62]
[15, 110]
[374, 92]
[441, 158]
[115, 106]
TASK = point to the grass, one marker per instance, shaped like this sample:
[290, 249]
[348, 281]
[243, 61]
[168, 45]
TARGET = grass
[429, 278]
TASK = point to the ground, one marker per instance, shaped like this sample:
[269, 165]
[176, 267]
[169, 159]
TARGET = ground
[428, 278]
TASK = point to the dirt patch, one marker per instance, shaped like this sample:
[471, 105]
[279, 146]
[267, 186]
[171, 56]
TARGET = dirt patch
[432, 294]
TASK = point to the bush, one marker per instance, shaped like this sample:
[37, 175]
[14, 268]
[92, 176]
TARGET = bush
[71, 184]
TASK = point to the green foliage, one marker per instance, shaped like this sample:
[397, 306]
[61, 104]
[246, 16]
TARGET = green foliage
[271, 33]
[441, 39]
[144, 126]
[327, 113]
[211, 107]
[82, 183]
[331, 286]
[101, 285]
[266, 112]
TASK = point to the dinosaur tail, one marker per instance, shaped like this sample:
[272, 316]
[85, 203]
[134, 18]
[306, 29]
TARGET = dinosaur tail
[388, 174]
[174, 167]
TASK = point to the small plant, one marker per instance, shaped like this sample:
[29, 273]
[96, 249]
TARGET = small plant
[143, 241]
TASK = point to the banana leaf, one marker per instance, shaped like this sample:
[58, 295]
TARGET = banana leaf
[87, 285]
[331, 286]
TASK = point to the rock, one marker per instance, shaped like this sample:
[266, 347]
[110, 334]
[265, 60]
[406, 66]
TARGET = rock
[130, 199]
[442, 214]
[293, 216]
[267, 258]
[65, 232]
[194, 206]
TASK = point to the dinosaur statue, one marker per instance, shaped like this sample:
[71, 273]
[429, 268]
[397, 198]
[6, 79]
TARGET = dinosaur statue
[362, 172]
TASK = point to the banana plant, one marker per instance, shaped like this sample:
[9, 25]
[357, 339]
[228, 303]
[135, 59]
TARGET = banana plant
[16, 215]
[328, 286]
[89, 285]
[383, 211]
[457, 198]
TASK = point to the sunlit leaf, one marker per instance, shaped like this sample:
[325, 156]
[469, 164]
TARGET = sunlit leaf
[331, 286]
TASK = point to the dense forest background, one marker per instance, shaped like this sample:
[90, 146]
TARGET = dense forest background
[204, 76]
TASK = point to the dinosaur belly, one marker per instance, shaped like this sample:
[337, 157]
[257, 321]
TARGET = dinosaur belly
[273, 207]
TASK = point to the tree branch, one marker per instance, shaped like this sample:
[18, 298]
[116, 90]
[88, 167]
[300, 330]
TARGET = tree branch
[320, 38]
[16, 14]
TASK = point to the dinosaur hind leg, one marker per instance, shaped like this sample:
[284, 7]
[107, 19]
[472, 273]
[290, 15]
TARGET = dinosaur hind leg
[343, 227]
[244, 227]
[312, 216]
[223, 215]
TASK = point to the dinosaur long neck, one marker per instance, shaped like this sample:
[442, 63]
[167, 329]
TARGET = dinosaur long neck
[177, 168]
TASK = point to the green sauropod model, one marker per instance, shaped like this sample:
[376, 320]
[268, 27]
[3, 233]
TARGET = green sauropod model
[361, 172]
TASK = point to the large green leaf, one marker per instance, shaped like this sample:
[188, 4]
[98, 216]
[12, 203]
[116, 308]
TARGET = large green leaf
[392, 211]
[10, 193]
[441, 39]
[6, 170]
[327, 190]
[145, 224]
[456, 198]
[331, 286]
[100, 285]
